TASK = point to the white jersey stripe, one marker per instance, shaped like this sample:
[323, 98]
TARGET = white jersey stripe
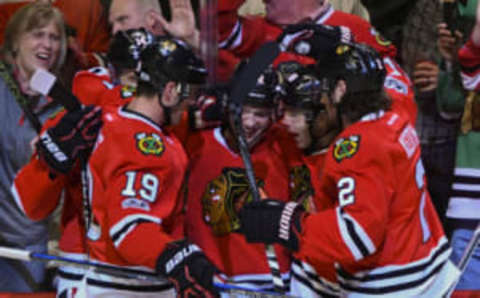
[121, 229]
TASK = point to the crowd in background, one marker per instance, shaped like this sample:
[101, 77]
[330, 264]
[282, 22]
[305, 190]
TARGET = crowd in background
[68, 38]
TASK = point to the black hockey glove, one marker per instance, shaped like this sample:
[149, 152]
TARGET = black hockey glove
[270, 221]
[187, 267]
[313, 40]
[75, 134]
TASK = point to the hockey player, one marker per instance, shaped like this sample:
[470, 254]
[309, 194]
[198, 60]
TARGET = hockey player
[218, 187]
[136, 174]
[377, 226]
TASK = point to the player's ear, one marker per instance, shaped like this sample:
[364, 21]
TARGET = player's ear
[170, 95]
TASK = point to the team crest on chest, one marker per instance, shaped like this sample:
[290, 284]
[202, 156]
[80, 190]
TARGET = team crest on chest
[379, 38]
[127, 91]
[150, 143]
[346, 147]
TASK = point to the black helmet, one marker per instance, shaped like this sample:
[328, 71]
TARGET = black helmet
[303, 88]
[266, 91]
[126, 46]
[358, 64]
[170, 59]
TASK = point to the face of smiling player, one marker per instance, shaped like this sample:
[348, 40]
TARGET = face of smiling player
[255, 121]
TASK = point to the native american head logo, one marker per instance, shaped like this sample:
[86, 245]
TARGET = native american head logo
[301, 189]
[223, 198]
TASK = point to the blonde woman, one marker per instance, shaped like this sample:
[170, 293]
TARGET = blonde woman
[34, 38]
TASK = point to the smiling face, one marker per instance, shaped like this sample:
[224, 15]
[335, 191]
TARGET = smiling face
[38, 48]
[255, 121]
[295, 120]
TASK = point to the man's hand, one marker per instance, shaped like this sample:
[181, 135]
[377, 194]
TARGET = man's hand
[269, 221]
[448, 44]
[187, 267]
[425, 76]
[75, 134]
[182, 25]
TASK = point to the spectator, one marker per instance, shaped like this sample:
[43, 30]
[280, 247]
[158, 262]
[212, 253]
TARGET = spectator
[34, 38]
[463, 206]
[436, 126]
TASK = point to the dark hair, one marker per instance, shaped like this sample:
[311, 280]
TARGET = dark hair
[355, 105]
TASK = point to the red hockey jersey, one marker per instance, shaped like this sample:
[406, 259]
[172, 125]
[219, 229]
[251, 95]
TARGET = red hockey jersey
[217, 189]
[379, 229]
[469, 56]
[136, 174]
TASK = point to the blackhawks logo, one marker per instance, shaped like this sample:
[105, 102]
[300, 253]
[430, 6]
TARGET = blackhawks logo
[223, 198]
[379, 38]
[127, 91]
[346, 148]
[150, 144]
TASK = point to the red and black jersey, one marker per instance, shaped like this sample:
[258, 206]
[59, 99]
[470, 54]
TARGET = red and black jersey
[96, 86]
[217, 189]
[378, 223]
[469, 57]
[136, 174]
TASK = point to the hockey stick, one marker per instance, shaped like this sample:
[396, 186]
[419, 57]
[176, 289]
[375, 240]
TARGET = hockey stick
[246, 81]
[25, 255]
[209, 38]
[466, 257]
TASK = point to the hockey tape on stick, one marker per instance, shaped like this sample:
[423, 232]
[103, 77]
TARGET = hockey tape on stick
[245, 82]
[466, 257]
[47, 84]
[25, 255]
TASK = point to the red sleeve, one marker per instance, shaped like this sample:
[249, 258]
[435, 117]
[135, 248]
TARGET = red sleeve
[35, 191]
[469, 58]
[90, 85]
[400, 90]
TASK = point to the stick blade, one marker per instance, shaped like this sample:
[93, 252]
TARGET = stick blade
[248, 77]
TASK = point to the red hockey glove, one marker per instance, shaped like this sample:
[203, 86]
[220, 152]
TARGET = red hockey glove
[270, 221]
[75, 134]
[187, 267]
[314, 40]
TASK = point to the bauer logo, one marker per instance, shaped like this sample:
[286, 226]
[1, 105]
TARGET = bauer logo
[150, 143]
[180, 256]
[346, 148]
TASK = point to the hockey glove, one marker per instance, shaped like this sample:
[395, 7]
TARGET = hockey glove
[187, 267]
[75, 134]
[270, 221]
[313, 40]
